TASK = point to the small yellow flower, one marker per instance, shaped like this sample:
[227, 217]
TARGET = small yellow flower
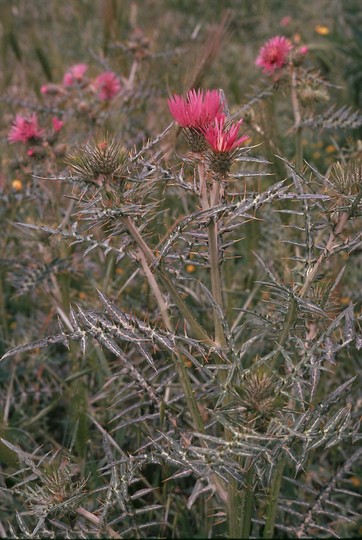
[345, 300]
[316, 155]
[190, 268]
[322, 30]
[17, 184]
[82, 295]
[119, 271]
[356, 482]
[330, 149]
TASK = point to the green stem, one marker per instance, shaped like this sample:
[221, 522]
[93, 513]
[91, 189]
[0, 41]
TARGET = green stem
[3, 313]
[213, 247]
[233, 494]
[297, 119]
[290, 319]
[109, 273]
[234, 504]
[299, 149]
[272, 503]
[247, 501]
[214, 262]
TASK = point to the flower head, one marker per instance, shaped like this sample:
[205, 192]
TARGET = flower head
[25, 128]
[322, 30]
[51, 89]
[223, 138]
[198, 110]
[75, 74]
[107, 85]
[57, 124]
[274, 54]
[285, 21]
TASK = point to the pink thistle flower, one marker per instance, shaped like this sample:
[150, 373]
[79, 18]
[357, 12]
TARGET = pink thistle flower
[285, 21]
[303, 50]
[198, 110]
[107, 85]
[57, 124]
[224, 139]
[274, 54]
[75, 74]
[52, 89]
[25, 128]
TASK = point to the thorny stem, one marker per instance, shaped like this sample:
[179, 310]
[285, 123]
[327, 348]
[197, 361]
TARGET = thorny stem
[289, 321]
[155, 290]
[146, 258]
[344, 217]
[214, 261]
[96, 521]
[233, 495]
[213, 246]
[180, 366]
[233, 503]
[167, 282]
[338, 229]
[203, 190]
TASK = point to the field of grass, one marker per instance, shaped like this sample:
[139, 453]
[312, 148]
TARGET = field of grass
[180, 305]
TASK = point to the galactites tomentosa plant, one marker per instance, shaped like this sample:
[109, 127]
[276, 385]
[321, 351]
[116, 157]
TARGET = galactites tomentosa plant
[216, 396]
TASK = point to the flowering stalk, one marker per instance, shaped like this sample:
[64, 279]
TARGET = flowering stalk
[297, 120]
[202, 186]
[213, 247]
[223, 141]
[216, 143]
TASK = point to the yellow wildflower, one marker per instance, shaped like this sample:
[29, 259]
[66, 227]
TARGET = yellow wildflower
[17, 184]
[322, 30]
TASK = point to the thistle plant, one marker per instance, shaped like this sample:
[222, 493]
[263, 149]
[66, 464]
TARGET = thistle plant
[201, 370]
